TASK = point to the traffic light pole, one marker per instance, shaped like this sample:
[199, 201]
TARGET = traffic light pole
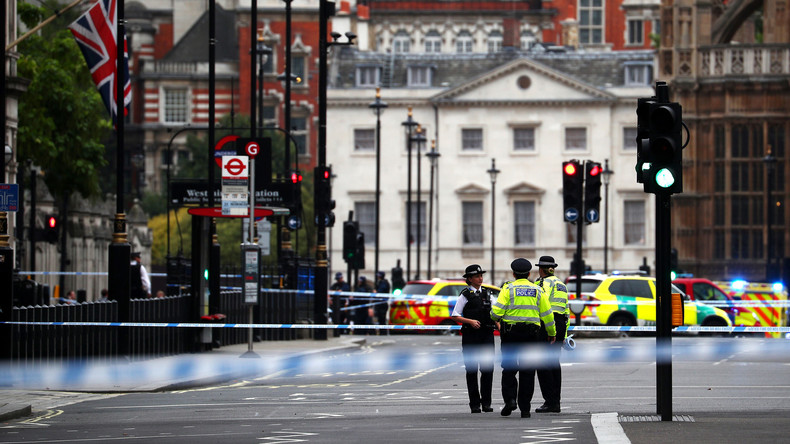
[663, 308]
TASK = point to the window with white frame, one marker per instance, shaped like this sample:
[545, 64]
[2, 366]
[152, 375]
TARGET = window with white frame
[368, 76]
[524, 223]
[464, 42]
[640, 74]
[636, 32]
[472, 139]
[576, 139]
[419, 76]
[591, 17]
[401, 42]
[524, 139]
[364, 139]
[417, 224]
[629, 138]
[528, 40]
[365, 213]
[494, 42]
[472, 222]
[176, 105]
[298, 69]
[634, 222]
[433, 42]
[299, 134]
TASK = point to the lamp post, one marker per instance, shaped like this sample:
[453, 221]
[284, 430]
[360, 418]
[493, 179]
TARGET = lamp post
[493, 172]
[262, 50]
[409, 124]
[419, 138]
[377, 106]
[770, 164]
[433, 156]
[607, 177]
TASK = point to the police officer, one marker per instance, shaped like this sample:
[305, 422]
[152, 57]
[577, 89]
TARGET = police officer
[550, 375]
[520, 307]
[473, 311]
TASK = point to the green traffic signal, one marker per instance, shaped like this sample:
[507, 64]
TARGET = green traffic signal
[205, 274]
[665, 178]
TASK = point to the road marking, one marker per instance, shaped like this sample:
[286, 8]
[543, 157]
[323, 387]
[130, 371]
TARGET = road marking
[287, 437]
[552, 434]
[607, 428]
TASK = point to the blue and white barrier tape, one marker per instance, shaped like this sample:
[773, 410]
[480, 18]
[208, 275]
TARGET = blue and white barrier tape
[154, 374]
[601, 328]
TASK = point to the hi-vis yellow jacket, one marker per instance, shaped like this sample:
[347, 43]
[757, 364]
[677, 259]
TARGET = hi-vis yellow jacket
[521, 301]
[557, 292]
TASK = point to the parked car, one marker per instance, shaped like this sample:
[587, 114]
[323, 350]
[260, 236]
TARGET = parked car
[633, 302]
[428, 302]
[707, 292]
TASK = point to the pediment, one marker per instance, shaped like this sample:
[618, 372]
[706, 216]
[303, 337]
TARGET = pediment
[471, 190]
[523, 80]
[524, 189]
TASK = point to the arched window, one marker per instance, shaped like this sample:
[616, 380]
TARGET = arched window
[401, 42]
[433, 42]
[464, 42]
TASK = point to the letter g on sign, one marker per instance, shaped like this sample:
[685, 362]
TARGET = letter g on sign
[252, 148]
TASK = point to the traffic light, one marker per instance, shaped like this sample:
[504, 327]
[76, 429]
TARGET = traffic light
[296, 177]
[359, 257]
[324, 204]
[643, 159]
[592, 191]
[397, 279]
[350, 230]
[665, 149]
[572, 189]
[52, 229]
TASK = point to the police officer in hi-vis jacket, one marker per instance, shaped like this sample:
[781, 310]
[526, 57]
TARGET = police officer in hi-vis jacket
[520, 308]
[550, 376]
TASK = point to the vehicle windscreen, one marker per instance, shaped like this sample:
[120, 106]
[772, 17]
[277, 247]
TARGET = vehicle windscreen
[418, 289]
[588, 286]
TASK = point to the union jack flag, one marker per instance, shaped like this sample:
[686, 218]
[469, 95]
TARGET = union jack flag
[95, 32]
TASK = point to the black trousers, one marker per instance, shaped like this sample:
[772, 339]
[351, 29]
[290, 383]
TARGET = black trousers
[550, 376]
[515, 338]
[478, 349]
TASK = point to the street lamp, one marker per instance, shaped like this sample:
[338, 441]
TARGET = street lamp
[420, 139]
[493, 172]
[262, 50]
[433, 155]
[607, 177]
[378, 106]
[409, 124]
[770, 164]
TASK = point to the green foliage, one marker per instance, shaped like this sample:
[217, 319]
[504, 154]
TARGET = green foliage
[61, 117]
[153, 203]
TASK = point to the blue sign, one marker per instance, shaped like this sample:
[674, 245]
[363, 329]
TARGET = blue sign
[592, 215]
[9, 197]
[571, 214]
[294, 222]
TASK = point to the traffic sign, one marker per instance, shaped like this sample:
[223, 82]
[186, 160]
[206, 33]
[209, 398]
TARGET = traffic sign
[592, 215]
[252, 148]
[9, 197]
[571, 214]
[235, 167]
[294, 222]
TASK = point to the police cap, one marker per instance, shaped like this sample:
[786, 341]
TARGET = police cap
[472, 270]
[521, 266]
[547, 261]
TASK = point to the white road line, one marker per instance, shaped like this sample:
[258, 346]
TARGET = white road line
[607, 429]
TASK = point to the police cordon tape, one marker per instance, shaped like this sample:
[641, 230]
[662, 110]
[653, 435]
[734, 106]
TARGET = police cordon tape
[185, 370]
[601, 328]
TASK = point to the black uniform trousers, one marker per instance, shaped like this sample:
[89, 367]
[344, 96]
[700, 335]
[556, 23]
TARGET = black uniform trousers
[478, 349]
[515, 338]
[550, 375]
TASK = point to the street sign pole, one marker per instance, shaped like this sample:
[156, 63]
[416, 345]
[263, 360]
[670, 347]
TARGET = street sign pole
[663, 308]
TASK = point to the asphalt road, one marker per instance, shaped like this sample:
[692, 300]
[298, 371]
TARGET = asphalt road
[724, 390]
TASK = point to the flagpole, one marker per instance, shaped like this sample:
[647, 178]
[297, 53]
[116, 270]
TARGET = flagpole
[120, 250]
[42, 24]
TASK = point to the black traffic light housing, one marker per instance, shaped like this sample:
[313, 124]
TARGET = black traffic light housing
[52, 229]
[572, 185]
[324, 204]
[659, 164]
[359, 257]
[397, 277]
[643, 159]
[350, 231]
[592, 191]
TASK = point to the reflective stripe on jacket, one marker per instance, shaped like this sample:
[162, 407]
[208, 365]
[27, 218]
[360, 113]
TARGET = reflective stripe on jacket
[521, 301]
[558, 294]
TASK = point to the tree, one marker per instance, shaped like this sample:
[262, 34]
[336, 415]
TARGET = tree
[62, 119]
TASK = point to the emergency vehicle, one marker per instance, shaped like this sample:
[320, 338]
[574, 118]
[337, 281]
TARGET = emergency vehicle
[428, 302]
